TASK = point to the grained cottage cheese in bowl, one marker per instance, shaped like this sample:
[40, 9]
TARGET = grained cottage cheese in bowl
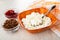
[35, 21]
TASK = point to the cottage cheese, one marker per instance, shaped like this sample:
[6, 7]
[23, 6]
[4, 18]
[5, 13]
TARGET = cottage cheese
[35, 21]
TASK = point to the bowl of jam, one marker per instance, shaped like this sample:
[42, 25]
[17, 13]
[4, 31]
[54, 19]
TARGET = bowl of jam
[11, 14]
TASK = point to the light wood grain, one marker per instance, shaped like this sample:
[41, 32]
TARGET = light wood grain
[21, 34]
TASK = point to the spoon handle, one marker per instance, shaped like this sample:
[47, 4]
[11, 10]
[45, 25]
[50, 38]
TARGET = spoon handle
[51, 9]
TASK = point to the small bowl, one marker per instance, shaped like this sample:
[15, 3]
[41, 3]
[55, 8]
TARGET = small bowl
[12, 29]
[40, 10]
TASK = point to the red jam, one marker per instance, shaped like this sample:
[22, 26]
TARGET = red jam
[11, 14]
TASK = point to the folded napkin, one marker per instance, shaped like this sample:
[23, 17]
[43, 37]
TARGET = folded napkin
[56, 27]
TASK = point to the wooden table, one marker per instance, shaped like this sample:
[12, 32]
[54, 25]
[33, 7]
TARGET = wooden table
[21, 34]
[24, 35]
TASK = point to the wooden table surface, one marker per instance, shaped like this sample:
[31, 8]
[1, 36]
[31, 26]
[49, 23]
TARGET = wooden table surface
[24, 35]
[21, 34]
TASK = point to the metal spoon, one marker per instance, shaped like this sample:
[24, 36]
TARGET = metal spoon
[49, 10]
[44, 15]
